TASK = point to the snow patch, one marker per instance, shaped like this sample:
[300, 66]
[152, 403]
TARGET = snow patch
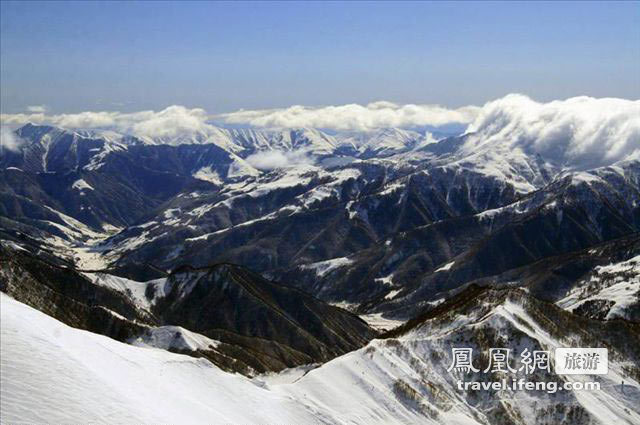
[81, 185]
[322, 268]
[208, 174]
[377, 322]
[445, 267]
[175, 337]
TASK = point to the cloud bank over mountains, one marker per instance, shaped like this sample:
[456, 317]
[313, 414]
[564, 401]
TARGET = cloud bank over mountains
[354, 117]
[178, 119]
[169, 122]
[580, 129]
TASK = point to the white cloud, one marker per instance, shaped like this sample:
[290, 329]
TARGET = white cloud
[169, 122]
[172, 121]
[178, 120]
[37, 108]
[580, 130]
[353, 117]
[270, 160]
[8, 140]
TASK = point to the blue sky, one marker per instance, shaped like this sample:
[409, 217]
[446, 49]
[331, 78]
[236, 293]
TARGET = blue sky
[221, 56]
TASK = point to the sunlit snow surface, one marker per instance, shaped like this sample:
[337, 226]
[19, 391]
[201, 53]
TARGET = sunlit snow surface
[52, 373]
[81, 185]
[617, 283]
[376, 321]
[134, 290]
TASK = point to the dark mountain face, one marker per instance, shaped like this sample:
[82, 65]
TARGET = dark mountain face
[342, 211]
[102, 182]
[70, 297]
[233, 305]
[426, 262]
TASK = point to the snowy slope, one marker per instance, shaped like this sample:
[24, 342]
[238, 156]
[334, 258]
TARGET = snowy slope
[175, 337]
[610, 292]
[412, 369]
[132, 289]
[307, 139]
[52, 373]
[383, 142]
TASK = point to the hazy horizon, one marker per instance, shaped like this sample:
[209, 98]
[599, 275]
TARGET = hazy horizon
[222, 57]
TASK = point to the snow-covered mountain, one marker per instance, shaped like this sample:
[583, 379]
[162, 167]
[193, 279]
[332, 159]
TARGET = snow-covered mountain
[230, 245]
[608, 292]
